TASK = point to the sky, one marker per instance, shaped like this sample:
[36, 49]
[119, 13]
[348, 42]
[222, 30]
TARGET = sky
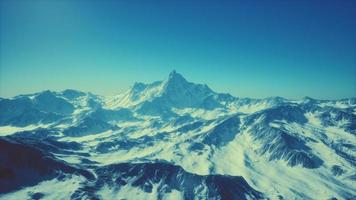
[247, 48]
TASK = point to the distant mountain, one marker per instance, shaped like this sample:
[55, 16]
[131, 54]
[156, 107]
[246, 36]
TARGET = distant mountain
[174, 139]
[175, 92]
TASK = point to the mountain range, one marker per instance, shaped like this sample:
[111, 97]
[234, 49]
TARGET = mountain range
[175, 139]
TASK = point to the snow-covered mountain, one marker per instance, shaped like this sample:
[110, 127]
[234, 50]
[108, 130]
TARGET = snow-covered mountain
[174, 139]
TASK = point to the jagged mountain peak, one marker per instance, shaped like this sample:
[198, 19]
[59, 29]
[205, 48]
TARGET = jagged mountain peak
[175, 76]
[174, 81]
[308, 99]
[175, 91]
[138, 86]
[178, 84]
[72, 94]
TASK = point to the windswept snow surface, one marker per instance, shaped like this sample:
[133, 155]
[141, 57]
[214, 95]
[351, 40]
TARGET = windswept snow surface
[52, 190]
[174, 139]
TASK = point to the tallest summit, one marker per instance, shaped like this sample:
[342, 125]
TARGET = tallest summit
[175, 77]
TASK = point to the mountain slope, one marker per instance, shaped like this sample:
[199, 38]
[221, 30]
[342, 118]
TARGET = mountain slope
[153, 179]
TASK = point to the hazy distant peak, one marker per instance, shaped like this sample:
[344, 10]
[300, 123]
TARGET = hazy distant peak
[138, 86]
[175, 77]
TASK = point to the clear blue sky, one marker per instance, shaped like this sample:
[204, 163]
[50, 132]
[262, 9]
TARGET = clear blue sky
[247, 48]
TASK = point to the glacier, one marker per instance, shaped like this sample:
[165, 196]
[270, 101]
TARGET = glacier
[174, 139]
